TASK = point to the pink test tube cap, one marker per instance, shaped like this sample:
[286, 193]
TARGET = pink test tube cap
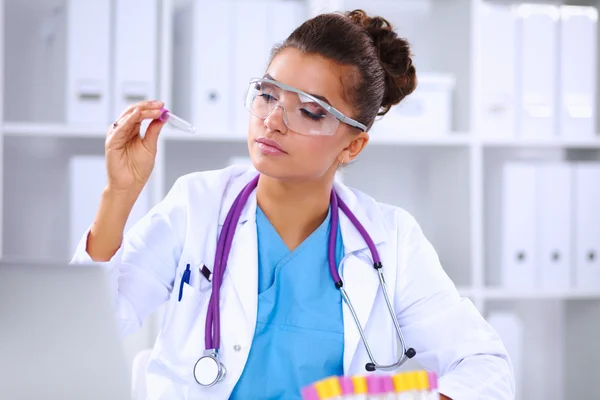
[387, 384]
[310, 393]
[374, 384]
[164, 114]
[433, 380]
[346, 384]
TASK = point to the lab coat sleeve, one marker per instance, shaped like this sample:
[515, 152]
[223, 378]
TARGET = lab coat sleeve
[142, 271]
[448, 333]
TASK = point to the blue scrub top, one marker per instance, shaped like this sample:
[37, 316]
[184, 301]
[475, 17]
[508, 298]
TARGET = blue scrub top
[299, 336]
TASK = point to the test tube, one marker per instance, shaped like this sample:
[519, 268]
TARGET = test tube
[360, 387]
[176, 122]
[433, 386]
[375, 388]
[387, 385]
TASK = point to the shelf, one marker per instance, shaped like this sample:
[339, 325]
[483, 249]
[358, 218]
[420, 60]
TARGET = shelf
[552, 142]
[513, 294]
[53, 130]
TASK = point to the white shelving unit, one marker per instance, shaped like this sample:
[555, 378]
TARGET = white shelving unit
[442, 179]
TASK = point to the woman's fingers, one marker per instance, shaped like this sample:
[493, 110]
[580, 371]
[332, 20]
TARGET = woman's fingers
[143, 105]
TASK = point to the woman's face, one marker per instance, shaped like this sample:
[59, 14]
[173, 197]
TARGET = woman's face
[303, 157]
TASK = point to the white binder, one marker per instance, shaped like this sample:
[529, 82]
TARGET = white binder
[89, 32]
[518, 226]
[554, 221]
[203, 53]
[586, 178]
[252, 46]
[87, 181]
[496, 64]
[577, 109]
[537, 69]
[135, 49]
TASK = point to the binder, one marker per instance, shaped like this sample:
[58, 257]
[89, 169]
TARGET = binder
[554, 221]
[252, 46]
[577, 108]
[537, 69]
[135, 49]
[586, 240]
[89, 32]
[496, 65]
[87, 180]
[518, 226]
[203, 53]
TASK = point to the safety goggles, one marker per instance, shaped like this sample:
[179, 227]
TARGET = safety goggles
[302, 112]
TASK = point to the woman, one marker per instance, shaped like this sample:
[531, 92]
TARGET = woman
[279, 321]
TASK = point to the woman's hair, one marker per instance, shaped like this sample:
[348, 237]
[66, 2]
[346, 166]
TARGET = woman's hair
[380, 72]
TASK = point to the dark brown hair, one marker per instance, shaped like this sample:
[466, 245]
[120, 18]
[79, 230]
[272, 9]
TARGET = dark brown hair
[381, 71]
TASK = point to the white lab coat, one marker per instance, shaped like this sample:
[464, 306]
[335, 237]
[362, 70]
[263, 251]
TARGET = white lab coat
[447, 332]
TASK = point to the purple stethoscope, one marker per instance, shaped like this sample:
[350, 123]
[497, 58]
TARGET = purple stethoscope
[208, 370]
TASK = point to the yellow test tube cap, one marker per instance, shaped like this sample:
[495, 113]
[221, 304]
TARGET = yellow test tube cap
[328, 388]
[421, 380]
[360, 384]
[401, 382]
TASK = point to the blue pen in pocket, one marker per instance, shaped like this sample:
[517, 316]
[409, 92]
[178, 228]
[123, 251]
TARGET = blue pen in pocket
[185, 278]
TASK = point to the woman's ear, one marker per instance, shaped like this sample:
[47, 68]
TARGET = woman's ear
[356, 145]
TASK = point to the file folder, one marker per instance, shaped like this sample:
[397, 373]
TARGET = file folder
[586, 177]
[136, 53]
[537, 69]
[89, 57]
[578, 71]
[518, 226]
[554, 222]
[496, 65]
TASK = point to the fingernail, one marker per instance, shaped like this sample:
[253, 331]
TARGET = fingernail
[157, 102]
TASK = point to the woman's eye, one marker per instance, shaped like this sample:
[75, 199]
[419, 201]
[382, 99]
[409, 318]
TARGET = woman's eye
[313, 116]
[267, 97]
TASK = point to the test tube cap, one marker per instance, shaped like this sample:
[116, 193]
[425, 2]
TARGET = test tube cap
[433, 380]
[401, 382]
[360, 384]
[346, 384]
[328, 388]
[310, 393]
[374, 384]
[387, 384]
[421, 380]
[164, 114]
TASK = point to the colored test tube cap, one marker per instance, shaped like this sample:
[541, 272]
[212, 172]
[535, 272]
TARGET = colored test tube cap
[374, 384]
[360, 384]
[387, 384]
[433, 380]
[328, 388]
[309, 393]
[346, 384]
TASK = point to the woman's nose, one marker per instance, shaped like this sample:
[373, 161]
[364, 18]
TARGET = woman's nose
[276, 120]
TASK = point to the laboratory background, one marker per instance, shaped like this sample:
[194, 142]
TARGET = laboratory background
[497, 152]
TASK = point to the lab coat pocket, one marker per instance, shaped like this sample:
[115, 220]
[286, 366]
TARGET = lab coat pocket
[181, 340]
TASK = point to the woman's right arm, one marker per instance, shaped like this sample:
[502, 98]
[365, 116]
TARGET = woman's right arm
[141, 266]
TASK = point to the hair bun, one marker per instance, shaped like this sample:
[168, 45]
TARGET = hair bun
[395, 56]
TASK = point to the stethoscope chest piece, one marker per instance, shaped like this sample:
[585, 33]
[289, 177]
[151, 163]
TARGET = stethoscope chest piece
[208, 370]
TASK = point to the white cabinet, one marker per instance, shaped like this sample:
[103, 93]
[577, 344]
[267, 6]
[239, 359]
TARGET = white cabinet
[450, 180]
